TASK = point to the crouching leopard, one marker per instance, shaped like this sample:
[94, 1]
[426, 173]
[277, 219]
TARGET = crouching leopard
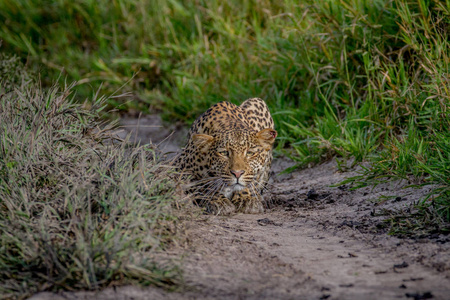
[228, 157]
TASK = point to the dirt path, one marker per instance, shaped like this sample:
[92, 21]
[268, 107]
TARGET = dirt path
[316, 242]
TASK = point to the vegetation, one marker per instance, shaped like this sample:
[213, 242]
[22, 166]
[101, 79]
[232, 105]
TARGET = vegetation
[78, 209]
[358, 79]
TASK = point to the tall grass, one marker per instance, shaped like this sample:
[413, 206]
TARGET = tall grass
[192, 54]
[353, 78]
[78, 210]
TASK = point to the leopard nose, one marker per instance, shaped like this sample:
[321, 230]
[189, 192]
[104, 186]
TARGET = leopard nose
[237, 173]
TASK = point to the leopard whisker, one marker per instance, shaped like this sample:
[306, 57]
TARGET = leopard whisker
[264, 188]
[205, 186]
[217, 189]
[199, 187]
[212, 190]
[261, 186]
[254, 190]
[204, 180]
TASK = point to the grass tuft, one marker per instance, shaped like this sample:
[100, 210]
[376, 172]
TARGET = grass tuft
[78, 209]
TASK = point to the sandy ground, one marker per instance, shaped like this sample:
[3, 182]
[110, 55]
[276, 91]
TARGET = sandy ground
[314, 242]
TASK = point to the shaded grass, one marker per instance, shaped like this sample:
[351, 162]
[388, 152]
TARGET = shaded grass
[419, 222]
[78, 210]
[12, 72]
[193, 54]
[421, 161]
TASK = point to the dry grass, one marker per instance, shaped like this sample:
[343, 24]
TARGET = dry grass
[78, 210]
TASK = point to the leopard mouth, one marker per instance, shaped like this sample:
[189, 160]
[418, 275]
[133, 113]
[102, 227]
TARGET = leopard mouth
[237, 187]
[237, 181]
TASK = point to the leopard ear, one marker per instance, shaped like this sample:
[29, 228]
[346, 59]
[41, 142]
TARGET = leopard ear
[266, 138]
[202, 141]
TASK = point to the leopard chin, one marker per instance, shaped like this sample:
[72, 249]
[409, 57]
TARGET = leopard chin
[231, 189]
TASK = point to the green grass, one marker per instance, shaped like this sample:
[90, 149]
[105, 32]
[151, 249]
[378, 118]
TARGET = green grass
[78, 209]
[350, 78]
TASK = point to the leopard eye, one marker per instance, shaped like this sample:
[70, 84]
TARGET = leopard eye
[223, 153]
[251, 153]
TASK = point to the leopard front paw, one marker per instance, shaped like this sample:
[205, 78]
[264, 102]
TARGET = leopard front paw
[222, 207]
[247, 203]
[253, 207]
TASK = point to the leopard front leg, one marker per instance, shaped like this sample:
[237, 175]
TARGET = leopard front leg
[247, 203]
[219, 205]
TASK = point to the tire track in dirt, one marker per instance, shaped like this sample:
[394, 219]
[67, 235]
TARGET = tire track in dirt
[343, 267]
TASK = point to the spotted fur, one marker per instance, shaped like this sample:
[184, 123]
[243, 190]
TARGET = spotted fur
[228, 157]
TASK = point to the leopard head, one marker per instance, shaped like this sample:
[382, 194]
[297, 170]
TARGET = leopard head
[236, 159]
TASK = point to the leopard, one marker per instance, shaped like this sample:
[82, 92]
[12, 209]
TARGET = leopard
[228, 156]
